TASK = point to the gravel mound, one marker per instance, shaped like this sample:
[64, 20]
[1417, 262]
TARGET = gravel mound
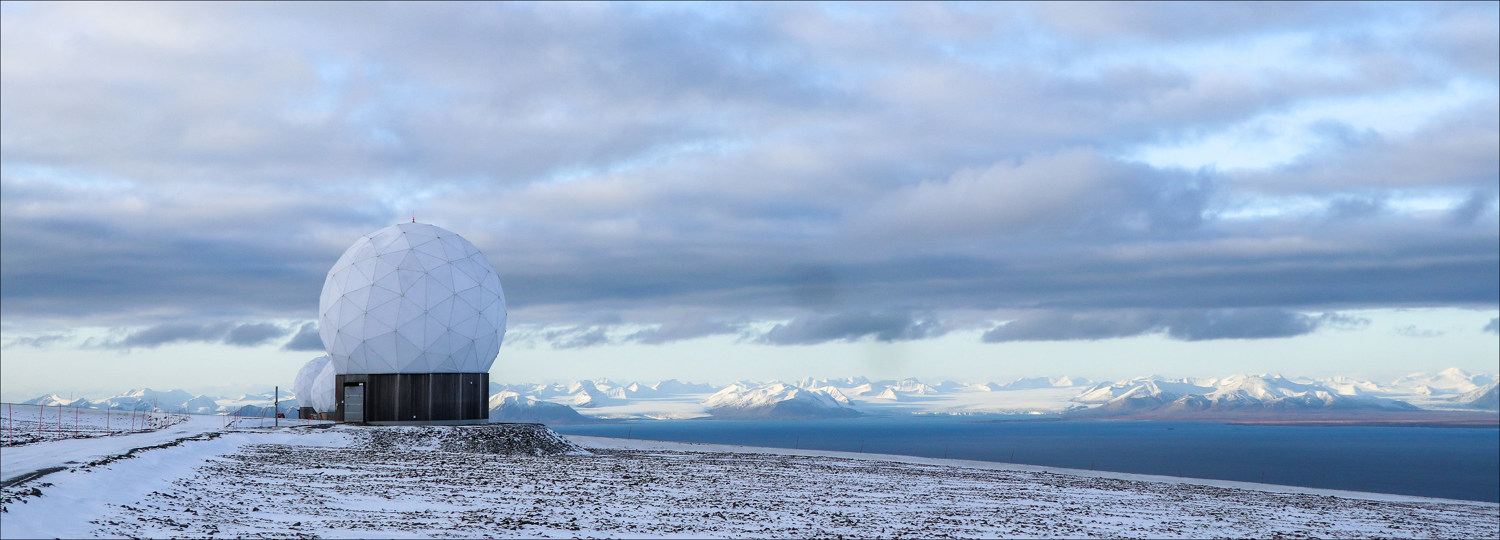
[500, 439]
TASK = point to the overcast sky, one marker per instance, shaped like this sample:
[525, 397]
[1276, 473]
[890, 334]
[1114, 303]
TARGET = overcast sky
[747, 191]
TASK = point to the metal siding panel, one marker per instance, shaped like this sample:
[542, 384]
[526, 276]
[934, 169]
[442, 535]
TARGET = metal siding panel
[419, 397]
[442, 396]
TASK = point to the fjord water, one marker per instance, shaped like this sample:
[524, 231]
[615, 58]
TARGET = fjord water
[1453, 463]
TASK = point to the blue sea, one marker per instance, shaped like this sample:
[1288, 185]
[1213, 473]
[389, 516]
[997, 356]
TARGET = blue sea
[1447, 462]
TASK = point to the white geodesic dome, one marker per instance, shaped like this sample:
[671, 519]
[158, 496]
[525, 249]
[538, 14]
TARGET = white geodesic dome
[314, 384]
[412, 298]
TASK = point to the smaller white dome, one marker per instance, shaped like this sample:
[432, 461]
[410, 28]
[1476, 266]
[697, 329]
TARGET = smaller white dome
[314, 384]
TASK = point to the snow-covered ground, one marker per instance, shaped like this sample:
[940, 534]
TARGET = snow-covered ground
[26, 424]
[333, 483]
[23, 455]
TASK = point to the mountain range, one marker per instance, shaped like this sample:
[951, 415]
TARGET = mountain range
[146, 399]
[605, 400]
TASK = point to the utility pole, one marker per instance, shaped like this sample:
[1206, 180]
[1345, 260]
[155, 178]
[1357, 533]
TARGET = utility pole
[277, 400]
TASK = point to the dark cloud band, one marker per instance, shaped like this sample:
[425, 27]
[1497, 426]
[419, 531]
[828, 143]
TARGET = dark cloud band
[235, 334]
[1185, 325]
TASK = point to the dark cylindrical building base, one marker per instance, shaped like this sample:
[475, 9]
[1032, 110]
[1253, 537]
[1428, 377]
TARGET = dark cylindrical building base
[412, 398]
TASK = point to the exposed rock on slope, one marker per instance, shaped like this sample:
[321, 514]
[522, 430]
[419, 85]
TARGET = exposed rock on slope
[1484, 397]
[503, 439]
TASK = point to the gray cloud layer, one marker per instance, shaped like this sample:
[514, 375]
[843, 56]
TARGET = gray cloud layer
[306, 339]
[682, 330]
[748, 162]
[853, 326]
[1185, 325]
[236, 334]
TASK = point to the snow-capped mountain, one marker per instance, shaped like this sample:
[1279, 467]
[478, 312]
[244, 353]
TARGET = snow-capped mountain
[673, 387]
[1434, 390]
[1140, 391]
[54, 400]
[1486, 397]
[603, 392]
[777, 401]
[1351, 387]
[509, 406]
[1448, 381]
[904, 391]
[1040, 382]
[637, 390]
[144, 399]
[809, 382]
[589, 394]
[891, 394]
[913, 387]
[835, 393]
[1233, 393]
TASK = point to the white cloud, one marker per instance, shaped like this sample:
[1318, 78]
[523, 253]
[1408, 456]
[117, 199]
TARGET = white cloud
[170, 164]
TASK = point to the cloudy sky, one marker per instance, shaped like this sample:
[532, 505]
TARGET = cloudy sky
[724, 191]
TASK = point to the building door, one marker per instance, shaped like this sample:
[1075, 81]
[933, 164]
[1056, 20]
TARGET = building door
[354, 402]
